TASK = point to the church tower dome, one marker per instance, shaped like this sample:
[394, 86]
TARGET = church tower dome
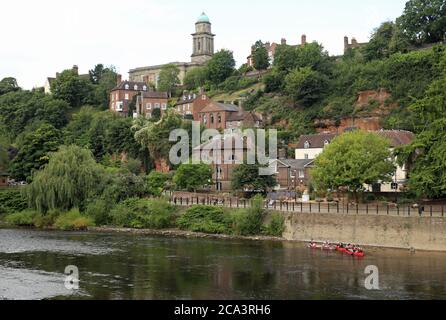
[203, 40]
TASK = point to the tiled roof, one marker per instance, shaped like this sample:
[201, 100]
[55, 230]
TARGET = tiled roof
[155, 95]
[397, 137]
[241, 116]
[131, 85]
[297, 164]
[317, 141]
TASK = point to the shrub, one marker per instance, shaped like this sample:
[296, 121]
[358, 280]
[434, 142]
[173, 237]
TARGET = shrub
[46, 220]
[140, 213]
[205, 219]
[99, 211]
[249, 222]
[73, 220]
[12, 201]
[22, 219]
[276, 227]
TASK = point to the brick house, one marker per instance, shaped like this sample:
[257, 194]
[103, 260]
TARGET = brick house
[122, 95]
[222, 116]
[291, 175]
[147, 102]
[191, 104]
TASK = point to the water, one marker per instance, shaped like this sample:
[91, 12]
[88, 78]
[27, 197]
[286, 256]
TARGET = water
[116, 266]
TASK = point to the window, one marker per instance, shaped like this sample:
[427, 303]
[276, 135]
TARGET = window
[301, 174]
[144, 88]
[306, 156]
[148, 106]
[326, 142]
[135, 87]
[307, 145]
[219, 118]
[126, 96]
[127, 87]
[164, 106]
[157, 105]
[212, 118]
[205, 120]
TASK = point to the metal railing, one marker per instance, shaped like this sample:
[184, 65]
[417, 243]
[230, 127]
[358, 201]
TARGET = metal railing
[318, 207]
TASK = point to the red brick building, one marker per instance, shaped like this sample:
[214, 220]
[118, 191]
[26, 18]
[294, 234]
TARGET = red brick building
[123, 94]
[191, 104]
[147, 102]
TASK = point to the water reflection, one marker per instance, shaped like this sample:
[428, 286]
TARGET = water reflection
[134, 267]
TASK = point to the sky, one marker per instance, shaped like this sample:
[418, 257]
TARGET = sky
[42, 37]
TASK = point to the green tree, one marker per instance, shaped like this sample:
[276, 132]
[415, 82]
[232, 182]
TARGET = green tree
[70, 87]
[196, 78]
[70, 178]
[192, 177]
[352, 161]
[260, 56]
[246, 177]
[424, 21]
[169, 78]
[386, 40]
[305, 86]
[8, 85]
[34, 150]
[106, 81]
[221, 66]
[156, 183]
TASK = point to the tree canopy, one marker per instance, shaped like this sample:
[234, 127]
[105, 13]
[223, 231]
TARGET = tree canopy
[246, 177]
[169, 78]
[7, 85]
[221, 66]
[353, 160]
[192, 177]
[260, 56]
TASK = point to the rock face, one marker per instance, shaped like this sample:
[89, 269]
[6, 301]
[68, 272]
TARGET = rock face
[370, 106]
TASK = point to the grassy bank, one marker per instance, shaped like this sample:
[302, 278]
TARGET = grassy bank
[154, 214]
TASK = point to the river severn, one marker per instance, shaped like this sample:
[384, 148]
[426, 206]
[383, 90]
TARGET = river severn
[122, 266]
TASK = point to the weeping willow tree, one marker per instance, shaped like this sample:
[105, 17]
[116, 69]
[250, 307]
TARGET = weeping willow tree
[71, 176]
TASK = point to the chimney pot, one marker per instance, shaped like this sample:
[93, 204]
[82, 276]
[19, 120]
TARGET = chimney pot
[283, 41]
[118, 79]
[304, 39]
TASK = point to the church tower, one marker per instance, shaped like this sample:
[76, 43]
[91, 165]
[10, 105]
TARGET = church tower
[203, 40]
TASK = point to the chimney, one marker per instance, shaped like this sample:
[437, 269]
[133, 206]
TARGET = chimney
[118, 79]
[304, 39]
[76, 69]
[354, 42]
[283, 41]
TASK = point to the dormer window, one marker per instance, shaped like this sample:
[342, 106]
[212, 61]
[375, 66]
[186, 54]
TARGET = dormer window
[135, 87]
[307, 145]
[326, 143]
[127, 87]
[144, 88]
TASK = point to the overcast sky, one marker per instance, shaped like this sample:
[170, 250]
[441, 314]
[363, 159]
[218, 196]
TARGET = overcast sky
[41, 37]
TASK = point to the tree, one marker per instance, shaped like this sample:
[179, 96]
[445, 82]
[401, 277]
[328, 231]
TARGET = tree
[426, 155]
[169, 79]
[34, 150]
[386, 40]
[305, 86]
[246, 177]
[70, 178]
[191, 177]
[71, 88]
[156, 183]
[106, 81]
[353, 160]
[260, 56]
[96, 73]
[8, 85]
[424, 21]
[221, 66]
[195, 78]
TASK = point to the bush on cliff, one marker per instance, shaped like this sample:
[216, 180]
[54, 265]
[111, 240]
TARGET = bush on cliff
[249, 222]
[22, 219]
[276, 227]
[73, 220]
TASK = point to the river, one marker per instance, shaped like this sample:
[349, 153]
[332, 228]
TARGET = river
[121, 266]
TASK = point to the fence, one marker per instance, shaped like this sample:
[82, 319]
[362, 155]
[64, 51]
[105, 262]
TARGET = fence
[322, 207]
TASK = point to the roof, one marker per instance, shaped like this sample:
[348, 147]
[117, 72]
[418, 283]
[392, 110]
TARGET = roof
[397, 137]
[203, 18]
[241, 116]
[188, 98]
[218, 142]
[224, 107]
[159, 66]
[155, 95]
[297, 164]
[131, 85]
[317, 141]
